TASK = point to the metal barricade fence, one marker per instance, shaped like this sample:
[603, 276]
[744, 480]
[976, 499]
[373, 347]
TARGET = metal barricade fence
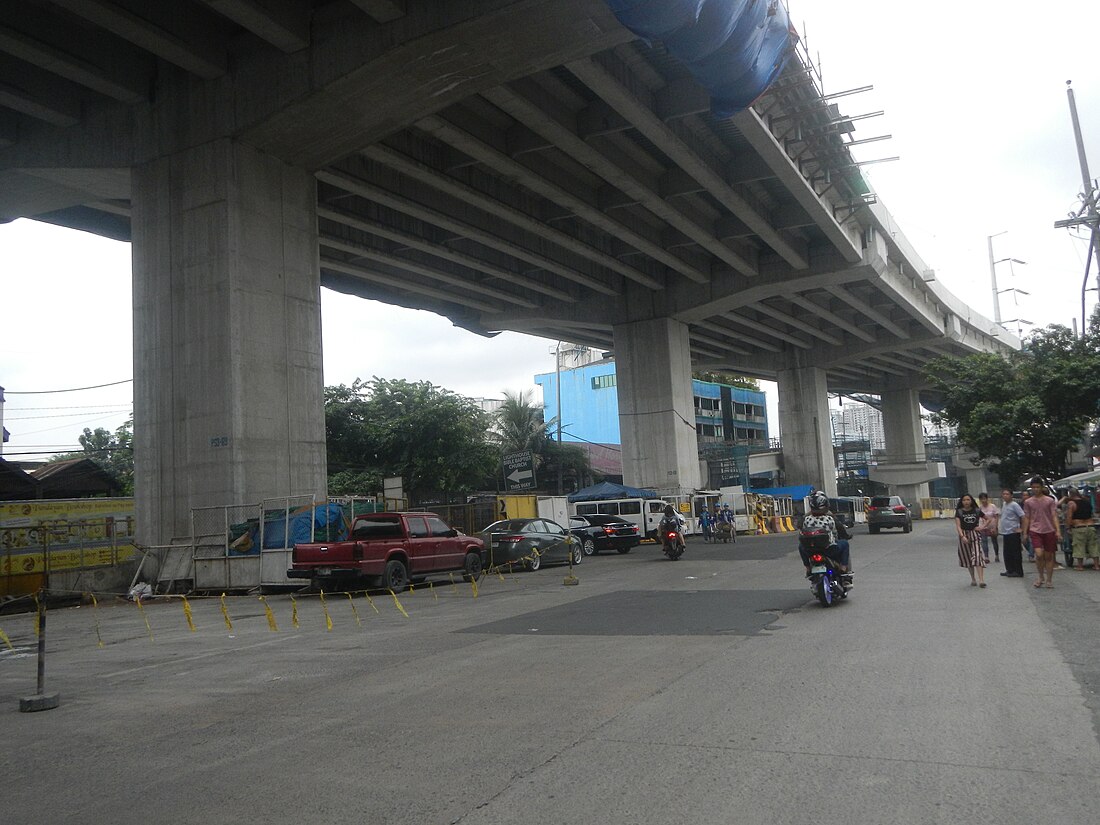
[66, 554]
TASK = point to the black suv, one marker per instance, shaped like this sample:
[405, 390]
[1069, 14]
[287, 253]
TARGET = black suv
[889, 511]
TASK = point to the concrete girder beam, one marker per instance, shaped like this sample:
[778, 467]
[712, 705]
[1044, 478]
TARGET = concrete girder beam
[647, 121]
[425, 174]
[384, 11]
[739, 338]
[727, 292]
[282, 23]
[188, 41]
[402, 283]
[586, 208]
[836, 320]
[767, 329]
[389, 199]
[436, 69]
[865, 308]
[437, 250]
[797, 323]
[840, 356]
[760, 137]
[560, 131]
[38, 94]
[434, 273]
[127, 86]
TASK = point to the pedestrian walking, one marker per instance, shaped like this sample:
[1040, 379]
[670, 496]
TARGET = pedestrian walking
[1026, 538]
[1008, 526]
[987, 530]
[967, 519]
[1041, 526]
[1083, 534]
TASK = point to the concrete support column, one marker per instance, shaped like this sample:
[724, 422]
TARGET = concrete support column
[806, 429]
[656, 410]
[904, 432]
[228, 390]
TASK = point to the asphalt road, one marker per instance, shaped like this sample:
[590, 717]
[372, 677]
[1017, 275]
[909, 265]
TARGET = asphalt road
[708, 690]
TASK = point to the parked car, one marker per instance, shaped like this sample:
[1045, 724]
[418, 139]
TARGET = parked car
[531, 542]
[388, 550]
[597, 533]
[889, 511]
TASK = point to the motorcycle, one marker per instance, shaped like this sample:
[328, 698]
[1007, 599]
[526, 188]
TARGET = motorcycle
[672, 541]
[825, 580]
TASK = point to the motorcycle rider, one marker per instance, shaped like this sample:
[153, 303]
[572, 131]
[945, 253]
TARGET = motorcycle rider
[819, 518]
[672, 521]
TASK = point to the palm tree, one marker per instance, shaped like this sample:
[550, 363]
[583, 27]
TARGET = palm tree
[520, 424]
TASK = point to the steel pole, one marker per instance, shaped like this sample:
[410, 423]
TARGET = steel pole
[557, 369]
[1088, 193]
[993, 278]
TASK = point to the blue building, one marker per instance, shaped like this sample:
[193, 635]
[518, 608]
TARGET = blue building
[730, 422]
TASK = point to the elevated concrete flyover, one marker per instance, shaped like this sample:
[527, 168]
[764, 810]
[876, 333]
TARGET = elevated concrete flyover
[510, 165]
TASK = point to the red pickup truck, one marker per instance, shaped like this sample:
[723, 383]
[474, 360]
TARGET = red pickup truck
[389, 550]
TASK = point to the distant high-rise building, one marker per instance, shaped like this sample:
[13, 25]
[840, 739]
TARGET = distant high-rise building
[856, 421]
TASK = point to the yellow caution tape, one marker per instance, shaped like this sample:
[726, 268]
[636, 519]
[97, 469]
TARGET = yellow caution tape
[294, 612]
[431, 587]
[270, 616]
[324, 607]
[370, 601]
[4, 638]
[187, 614]
[225, 613]
[141, 607]
[398, 603]
[411, 588]
[501, 575]
[455, 586]
[354, 612]
[473, 585]
[95, 612]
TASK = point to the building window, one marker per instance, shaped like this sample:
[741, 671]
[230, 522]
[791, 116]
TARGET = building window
[602, 382]
[709, 430]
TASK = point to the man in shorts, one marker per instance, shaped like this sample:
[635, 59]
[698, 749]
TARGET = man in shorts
[1079, 523]
[1041, 525]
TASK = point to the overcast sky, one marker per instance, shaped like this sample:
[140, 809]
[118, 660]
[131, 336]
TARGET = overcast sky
[974, 96]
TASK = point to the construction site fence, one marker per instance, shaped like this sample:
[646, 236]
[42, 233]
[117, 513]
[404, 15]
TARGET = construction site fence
[937, 507]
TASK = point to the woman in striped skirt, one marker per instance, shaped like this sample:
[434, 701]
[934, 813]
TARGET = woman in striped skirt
[967, 519]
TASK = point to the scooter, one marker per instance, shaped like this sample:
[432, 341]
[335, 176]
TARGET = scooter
[672, 542]
[825, 580]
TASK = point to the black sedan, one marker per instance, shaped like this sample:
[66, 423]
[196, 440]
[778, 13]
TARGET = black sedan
[530, 542]
[598, 533]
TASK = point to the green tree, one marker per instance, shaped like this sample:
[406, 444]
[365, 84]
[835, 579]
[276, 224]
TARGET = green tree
[114, 452]
[726, 378]
[431, 437]
[520, 425]
[1026, 411]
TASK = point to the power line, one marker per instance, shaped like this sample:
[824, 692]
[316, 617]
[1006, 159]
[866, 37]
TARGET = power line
[73, 389]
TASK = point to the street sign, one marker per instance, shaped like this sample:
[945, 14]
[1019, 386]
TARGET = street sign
[519, 471]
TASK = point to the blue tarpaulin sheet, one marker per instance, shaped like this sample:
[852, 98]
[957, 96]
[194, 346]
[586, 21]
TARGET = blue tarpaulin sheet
[798, 492]
[734, 48]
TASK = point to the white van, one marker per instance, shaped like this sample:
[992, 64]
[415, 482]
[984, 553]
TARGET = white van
[645, 512]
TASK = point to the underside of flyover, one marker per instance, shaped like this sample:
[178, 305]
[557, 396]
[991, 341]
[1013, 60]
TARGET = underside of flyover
[529, 166]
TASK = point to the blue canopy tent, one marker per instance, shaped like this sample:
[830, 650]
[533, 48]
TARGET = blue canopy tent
[605, 490]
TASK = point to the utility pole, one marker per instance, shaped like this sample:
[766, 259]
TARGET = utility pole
[993, 278]
[1087, 215]
[557, 380]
